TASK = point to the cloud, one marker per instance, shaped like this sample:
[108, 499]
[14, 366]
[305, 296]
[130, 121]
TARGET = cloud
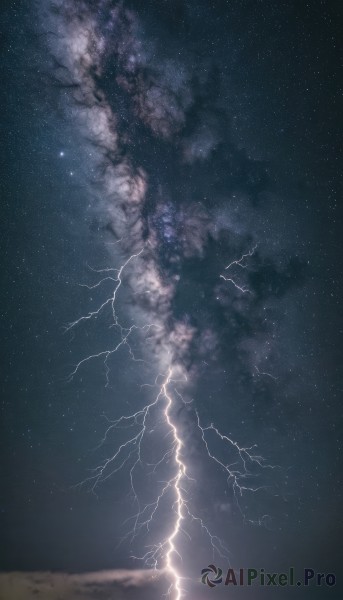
[102, 585]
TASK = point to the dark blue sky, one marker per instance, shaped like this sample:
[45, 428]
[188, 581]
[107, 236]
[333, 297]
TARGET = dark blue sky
[265, 89]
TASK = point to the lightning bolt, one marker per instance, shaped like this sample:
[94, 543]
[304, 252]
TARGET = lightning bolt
[112, 298]
[166, 553]
[180, 503]
[125, 332]
[234, 474]
[239, 263]
[265, 373]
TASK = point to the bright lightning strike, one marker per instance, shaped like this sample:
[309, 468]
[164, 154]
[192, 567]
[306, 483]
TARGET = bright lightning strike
[161, 412]
[179, 499]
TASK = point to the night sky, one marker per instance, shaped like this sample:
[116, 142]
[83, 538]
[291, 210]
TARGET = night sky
[203, 140]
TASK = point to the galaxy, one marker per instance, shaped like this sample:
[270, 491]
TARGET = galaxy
[171, 299]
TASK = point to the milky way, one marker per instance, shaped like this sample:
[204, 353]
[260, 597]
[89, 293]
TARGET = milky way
[180, 201]
[164, 169]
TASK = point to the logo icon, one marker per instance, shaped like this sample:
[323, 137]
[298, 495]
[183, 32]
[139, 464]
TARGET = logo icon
[217, 576]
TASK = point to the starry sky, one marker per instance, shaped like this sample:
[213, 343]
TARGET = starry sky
[202, 132]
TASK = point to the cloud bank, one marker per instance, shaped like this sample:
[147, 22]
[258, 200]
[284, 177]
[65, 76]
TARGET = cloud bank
[103, 585]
